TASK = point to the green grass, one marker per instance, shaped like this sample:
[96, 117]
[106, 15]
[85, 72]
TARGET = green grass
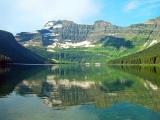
[150, 55]
[80, 55]
[100, 53]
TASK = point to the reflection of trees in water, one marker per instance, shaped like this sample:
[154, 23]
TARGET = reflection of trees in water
[4, 70]
[4, 60]
[62, 93]
[148, 99]
[149, 73]
[116, 85]
[12, 76]
[65, 92]
[58, 92]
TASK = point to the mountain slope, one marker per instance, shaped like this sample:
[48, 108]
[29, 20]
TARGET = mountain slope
[64, 40]
[16, 52]
[150, 55]
[143, 34]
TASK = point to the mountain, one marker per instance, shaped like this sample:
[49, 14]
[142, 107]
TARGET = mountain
[66, 40]
[54, 31]
[64, 30]
[16, 53]
[150, 55]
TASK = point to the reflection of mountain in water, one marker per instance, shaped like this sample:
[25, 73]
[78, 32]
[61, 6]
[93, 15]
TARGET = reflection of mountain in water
[66, 93]
[101, 86]
[10, 77]
[151, 74]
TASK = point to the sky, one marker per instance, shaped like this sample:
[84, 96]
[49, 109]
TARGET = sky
[29, 15]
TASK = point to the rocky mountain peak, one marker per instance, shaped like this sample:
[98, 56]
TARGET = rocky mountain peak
[150, 22]
[101, 23]
[158, 17]
[65, 30]
[153, 21]
[57, 24]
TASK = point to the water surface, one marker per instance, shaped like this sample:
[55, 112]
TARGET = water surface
[80, 92]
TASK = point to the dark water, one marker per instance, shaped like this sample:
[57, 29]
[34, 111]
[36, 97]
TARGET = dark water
[80, 92]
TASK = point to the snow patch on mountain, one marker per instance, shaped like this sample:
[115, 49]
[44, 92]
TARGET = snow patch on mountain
[153, 42]
[50, 50]
[58, 26]
[53, 25]
[69, 44]
[49, 24]
[150, 43]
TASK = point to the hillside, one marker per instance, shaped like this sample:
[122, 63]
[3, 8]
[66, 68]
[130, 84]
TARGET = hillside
[67, 41]
[11, 51]
[150, 55]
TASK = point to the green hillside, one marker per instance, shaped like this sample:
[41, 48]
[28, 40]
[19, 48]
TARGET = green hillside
[150, 55]
[11, 51]
[100, 42]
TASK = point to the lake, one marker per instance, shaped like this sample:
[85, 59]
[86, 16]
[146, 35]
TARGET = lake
[80, 92]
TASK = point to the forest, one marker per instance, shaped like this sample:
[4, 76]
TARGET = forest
[150, 55]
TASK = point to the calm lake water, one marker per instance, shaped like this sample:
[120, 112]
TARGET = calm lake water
[80, 92]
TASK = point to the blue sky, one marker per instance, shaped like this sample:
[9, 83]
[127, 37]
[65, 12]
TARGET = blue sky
[29, 15]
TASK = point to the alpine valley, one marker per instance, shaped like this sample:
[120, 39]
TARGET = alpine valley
[65, 41]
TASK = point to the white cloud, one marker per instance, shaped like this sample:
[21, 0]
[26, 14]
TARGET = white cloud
[148, 5]
[34, 13]
[60, 9]
[131, 5]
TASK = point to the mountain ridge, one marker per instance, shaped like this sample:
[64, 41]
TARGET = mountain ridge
[16, 52]
[102, 38]
[62, 30]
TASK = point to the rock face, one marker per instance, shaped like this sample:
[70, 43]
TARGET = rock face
[116, 42]
[64, 30]
[33, 38]
[16, 52]
[54, 31]
[154, 36]
[68, 30]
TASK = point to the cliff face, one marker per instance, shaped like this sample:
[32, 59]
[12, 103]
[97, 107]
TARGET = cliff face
[68, 30]
[33, 38]
[54, 31]
[16, 52]
[154, 36]
[144, 34]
